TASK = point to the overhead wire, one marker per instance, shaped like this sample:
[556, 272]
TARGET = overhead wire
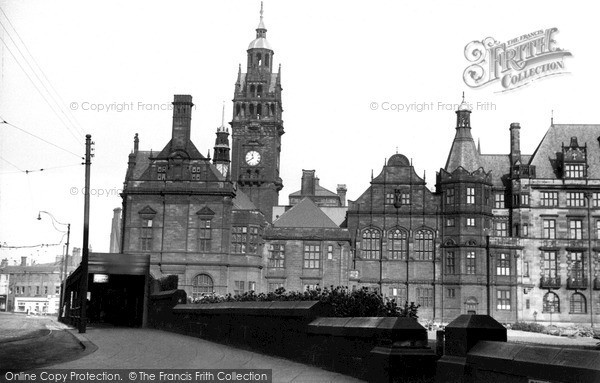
[70, 117]
[36, 86]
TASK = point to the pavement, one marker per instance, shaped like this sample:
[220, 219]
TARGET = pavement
[147, 348]
[34, 342]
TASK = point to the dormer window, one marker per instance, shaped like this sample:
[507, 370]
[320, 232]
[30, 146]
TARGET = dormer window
[574, 170]
[574, 160]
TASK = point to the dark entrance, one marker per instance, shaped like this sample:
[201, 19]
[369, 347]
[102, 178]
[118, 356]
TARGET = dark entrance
[116, 291]
[116, 299]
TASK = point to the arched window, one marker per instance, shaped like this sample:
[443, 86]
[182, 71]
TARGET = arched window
[252, 109]
[259, 110]
[259, 90]
[578, 304]
[424, 244]
[397, 244]
[551, 303]
[267, 60]
[252, 90]
[202, 284]
[259, 59]
[371, 244]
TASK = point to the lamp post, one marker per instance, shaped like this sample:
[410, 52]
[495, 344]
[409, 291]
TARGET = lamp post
[65, 258]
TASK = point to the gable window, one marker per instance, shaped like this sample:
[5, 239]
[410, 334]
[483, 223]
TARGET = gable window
[503, 264]
[397, 244]
[371, 244]
[575, 229]
[277, 255]
[146, 235]
[575, 199]
[595, 199]
[405, 198]
[449, 222]
[450, 196]
[389, 198]
[424, 244]
[471, 222]
[524, 199]
[204, 235]
[312, 256]
[549, 229]
[499, 200]
[549, 198]
[471, 262]
[470, 196]
[330, 252]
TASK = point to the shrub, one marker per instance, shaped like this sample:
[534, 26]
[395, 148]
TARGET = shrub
[345, 303]
[526, 326]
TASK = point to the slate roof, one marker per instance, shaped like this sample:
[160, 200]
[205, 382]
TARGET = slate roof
[463, 152]
[242, 201]
[544, 157]
[305, 214]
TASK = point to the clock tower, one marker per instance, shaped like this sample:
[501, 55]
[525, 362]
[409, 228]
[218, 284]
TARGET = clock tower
[257, 126]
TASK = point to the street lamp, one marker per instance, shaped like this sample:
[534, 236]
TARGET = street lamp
[65, 257]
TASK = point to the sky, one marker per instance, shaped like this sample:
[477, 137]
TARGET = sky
[361, 81]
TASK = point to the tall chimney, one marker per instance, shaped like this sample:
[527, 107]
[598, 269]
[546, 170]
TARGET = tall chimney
[115, 231]
[23, 261]
[182, 119]
[515, 142]
[308, 183]
[4, 262]
[341, 192]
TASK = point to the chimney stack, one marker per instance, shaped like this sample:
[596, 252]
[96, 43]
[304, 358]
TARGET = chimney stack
[308, 183]
[23, 261]
[515, 142]
[182, 119]
[4, 262]
[341, 192]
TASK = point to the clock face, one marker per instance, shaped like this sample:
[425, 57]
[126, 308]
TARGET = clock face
[253, 158]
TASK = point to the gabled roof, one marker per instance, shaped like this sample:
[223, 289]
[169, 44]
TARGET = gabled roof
[190, 149]
[544, 158]
[305, 215]
[498, 164]
[242, 201]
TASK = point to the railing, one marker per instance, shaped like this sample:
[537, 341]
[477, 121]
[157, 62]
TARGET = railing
[550, 282]
[577, 283]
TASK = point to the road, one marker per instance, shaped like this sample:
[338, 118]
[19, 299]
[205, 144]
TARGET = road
[28, 342]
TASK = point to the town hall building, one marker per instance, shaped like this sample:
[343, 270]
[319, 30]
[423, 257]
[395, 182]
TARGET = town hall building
[516, 235]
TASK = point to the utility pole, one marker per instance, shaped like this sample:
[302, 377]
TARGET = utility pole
[86, 233]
